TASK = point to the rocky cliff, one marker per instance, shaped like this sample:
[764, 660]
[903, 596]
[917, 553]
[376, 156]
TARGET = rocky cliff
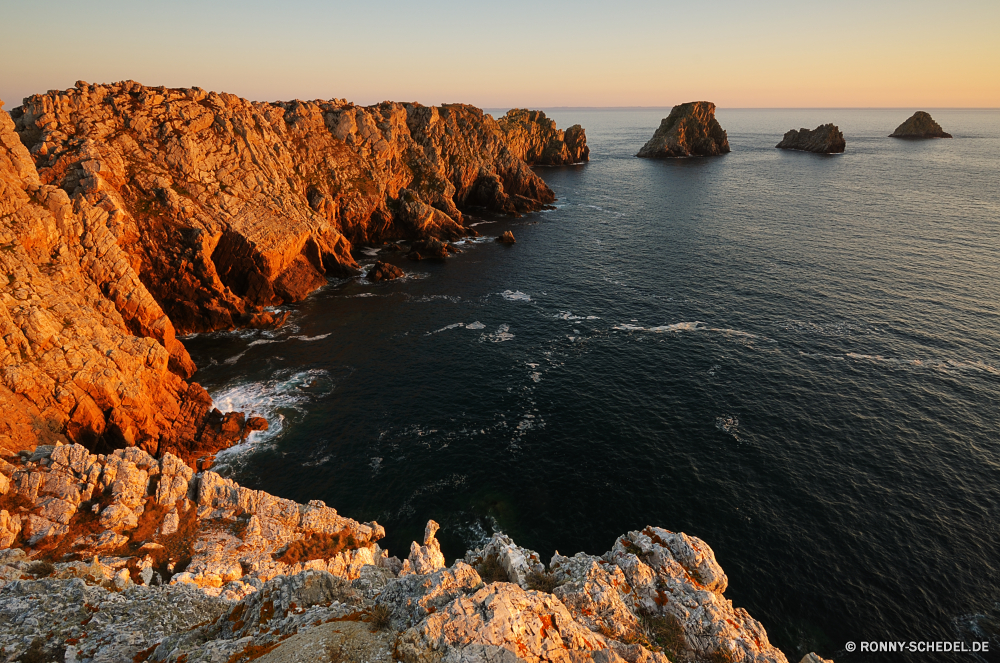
[690, 130]
[130, 214]
[919, 125]
[125, 557]
[228, 206]
[825, 138]
[86, 353]
[534, 138]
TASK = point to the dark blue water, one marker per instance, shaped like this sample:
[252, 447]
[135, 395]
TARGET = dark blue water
[794, 357]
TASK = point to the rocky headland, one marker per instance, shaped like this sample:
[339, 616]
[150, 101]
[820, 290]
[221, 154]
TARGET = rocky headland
[132, 214]
[824, 139]
[919, 125]
[124, 557]
[690, 130]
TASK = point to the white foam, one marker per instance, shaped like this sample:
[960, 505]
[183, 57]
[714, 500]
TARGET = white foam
[259, 341]
[568, 315]
[311, 338]
[368, 251]
[446, 328]
[285, 391]
[515, 296]
[500, 335]
[676, 327]
[475, 325]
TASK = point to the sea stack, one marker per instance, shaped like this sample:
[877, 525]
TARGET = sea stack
[690, 130]
[824, 139]
[920, 125]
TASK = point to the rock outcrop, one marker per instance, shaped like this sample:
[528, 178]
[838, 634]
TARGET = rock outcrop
[227, 206]
[125, 557]
[506, 237]
[919, 125]
[87, 354]
[690, 130]
[383, 271]
[534, 138]
[130, 214]
[825, 139]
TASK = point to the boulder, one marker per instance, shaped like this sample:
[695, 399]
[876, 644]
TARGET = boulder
[383, 271]
[824, 139]
[425, 249]
[506, 238]
[690, 130]
[919, 125]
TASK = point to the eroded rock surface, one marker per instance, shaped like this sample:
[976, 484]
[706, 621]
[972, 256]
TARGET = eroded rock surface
[690, 130]
[919, 125]
[825, 139]
[383, 271]
[87, 354]
[128, 557]
[534, 138]
[228, 206]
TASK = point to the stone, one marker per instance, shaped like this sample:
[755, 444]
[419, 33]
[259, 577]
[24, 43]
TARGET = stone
[824, 139]
[424, 558]
[689, 130]
[534, 138]
[919, 125]
[118, 517]
[383, 271]
[428, 249]
[812, 657]
[10, 527]
[518, 562]
[507, 237]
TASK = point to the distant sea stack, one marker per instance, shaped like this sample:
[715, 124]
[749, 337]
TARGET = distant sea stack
[534, 138]
[920, 125]
[690, 130]
[825, 139]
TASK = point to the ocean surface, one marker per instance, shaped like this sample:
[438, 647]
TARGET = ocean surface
[794, 357]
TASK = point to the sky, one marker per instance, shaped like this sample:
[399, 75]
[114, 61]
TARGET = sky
[543, 54]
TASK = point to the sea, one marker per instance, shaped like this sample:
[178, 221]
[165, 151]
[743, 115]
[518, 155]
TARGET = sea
[794, 357]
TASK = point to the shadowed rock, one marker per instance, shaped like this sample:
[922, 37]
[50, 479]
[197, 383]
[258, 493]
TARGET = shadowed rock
[506, 238]
[690, 130]
[383, 271]
[919, 125]
[825, 139]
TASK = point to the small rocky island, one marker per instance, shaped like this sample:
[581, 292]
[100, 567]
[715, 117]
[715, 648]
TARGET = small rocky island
[690, 130]
[824, 139]
[920, 125]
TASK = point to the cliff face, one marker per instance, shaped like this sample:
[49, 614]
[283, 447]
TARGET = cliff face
[86, 353]
[209, 570]
[534, 138]
[825, 138]
[690, 130]
[919, 125]
[130, 214]
[228, 206]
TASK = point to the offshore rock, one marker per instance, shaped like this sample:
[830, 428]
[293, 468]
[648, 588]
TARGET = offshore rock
[919, 125]
[825, 139]
[690, 130]
[507, 237]
[534, 138]
[224, 206]
[383, 271]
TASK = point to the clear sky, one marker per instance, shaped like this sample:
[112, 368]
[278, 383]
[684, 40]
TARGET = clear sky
[768, 53]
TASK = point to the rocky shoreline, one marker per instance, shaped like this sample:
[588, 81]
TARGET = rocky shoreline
[123, 557]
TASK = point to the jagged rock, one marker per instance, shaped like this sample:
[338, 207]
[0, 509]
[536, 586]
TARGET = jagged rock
[383, 271]
[826, 139]
[919, 125]
[534, 138]
[518, 562]
[241, 205]
[690, 130]
[424, 558]
[507, 237]
[428, 249]
[812, 657]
